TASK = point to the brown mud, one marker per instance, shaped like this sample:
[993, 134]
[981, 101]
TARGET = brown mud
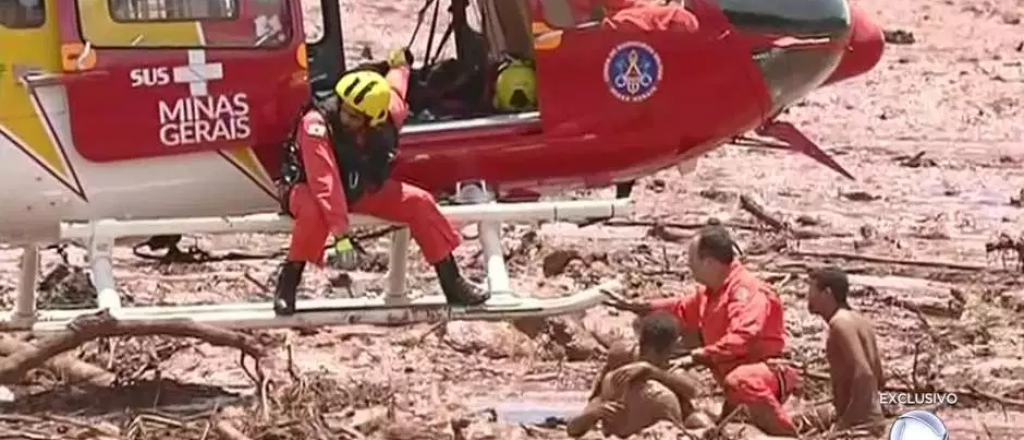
[935, 136]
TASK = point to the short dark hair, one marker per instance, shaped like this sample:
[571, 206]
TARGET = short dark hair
[659, 331]
[714, 241]
[835, 280]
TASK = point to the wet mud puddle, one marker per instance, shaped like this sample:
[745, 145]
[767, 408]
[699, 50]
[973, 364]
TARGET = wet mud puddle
[533, 408]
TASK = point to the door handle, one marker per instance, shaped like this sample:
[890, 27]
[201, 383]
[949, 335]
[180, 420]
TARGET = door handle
[49, 79]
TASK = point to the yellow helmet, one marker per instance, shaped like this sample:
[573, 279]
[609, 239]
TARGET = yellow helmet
[367, 92]
[515, 89]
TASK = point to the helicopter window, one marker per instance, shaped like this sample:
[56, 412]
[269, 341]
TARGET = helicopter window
[560, 14]
[796, 18]
[22, 14]
[313, 24]
[171, 10]
[185, 23]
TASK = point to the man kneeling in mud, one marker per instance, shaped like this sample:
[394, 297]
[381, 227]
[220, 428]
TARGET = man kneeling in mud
[635, 391]
[854, 363]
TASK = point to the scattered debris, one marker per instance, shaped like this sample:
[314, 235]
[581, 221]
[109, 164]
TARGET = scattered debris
[950, 265]
[916, 161]
[407, 384]
[899, 36]
[1005, 245]
[101, 325]
[859, 196]
[717, 195]
[656, 185]
[1012, 300]
[556, 261]
[754, 208]
[1018, 200]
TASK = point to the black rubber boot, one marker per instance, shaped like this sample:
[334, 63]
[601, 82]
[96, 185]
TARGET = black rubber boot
[287, 286]
[457, 290]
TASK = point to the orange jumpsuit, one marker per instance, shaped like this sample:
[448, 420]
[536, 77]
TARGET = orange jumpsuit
[741, 327]
[627, 15]
[319, 205]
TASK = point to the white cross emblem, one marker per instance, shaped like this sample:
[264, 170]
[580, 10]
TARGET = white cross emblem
[197, 73]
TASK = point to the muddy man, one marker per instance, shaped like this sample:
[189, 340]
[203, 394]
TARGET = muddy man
[635, 391]
[852, 351]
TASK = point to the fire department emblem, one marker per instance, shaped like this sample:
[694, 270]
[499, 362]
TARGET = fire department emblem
[633, 70]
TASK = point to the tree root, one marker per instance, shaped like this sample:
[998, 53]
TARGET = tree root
[102, 325]
[76, 370]
[227, 430]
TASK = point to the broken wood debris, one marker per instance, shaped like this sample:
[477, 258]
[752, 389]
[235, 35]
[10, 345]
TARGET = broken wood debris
[888, 260]
[102, 324]
[1006, 244]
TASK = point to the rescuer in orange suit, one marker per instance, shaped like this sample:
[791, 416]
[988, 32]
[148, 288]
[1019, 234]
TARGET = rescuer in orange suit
[740, 322]
[339, 163]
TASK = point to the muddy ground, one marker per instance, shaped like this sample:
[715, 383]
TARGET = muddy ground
[935, 136]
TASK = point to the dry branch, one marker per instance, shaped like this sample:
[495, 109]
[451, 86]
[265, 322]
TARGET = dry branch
[227, 430]
[74, 369]
[777, 225]
[748, 204]
[676, 225]
[103, 325]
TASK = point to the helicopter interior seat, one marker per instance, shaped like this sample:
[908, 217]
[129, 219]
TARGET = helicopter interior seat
[461, 88]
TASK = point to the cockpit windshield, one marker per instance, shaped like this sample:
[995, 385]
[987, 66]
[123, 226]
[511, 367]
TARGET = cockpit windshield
[791, 72]
[795, 18]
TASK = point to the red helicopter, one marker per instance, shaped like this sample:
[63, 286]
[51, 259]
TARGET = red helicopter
[134, 118]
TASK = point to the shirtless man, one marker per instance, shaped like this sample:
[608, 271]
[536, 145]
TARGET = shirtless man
[854, 364]
[635, 391]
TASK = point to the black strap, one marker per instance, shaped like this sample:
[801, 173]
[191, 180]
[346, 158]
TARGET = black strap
[356, 169]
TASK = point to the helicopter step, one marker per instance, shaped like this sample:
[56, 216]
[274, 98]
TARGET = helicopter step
[394, 307]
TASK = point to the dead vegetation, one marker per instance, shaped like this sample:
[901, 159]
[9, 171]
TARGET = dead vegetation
[122, 363]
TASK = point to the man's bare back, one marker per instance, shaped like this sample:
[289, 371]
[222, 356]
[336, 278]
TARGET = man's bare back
[855, 368]
[634, 391]
[644, 403]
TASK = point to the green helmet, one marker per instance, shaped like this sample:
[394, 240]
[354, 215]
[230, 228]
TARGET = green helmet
[515, 89]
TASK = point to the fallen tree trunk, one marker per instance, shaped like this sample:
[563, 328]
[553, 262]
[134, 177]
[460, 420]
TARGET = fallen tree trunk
[103, 325]
[76, 370]
[952, 265]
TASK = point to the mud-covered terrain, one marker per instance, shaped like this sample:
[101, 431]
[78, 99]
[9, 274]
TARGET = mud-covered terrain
[934, 135]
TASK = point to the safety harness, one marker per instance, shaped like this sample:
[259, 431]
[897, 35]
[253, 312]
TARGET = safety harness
[360, 170]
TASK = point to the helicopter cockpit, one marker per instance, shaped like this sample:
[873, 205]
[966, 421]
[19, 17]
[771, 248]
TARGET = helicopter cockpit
[791, 41]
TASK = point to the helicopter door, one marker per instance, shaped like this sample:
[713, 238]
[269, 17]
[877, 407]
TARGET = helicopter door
[610, 79]
[148, 78]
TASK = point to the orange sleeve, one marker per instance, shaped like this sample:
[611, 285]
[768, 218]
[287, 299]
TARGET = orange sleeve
[398, 79]
[747, 311]
[322, 173]
[686, 309]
